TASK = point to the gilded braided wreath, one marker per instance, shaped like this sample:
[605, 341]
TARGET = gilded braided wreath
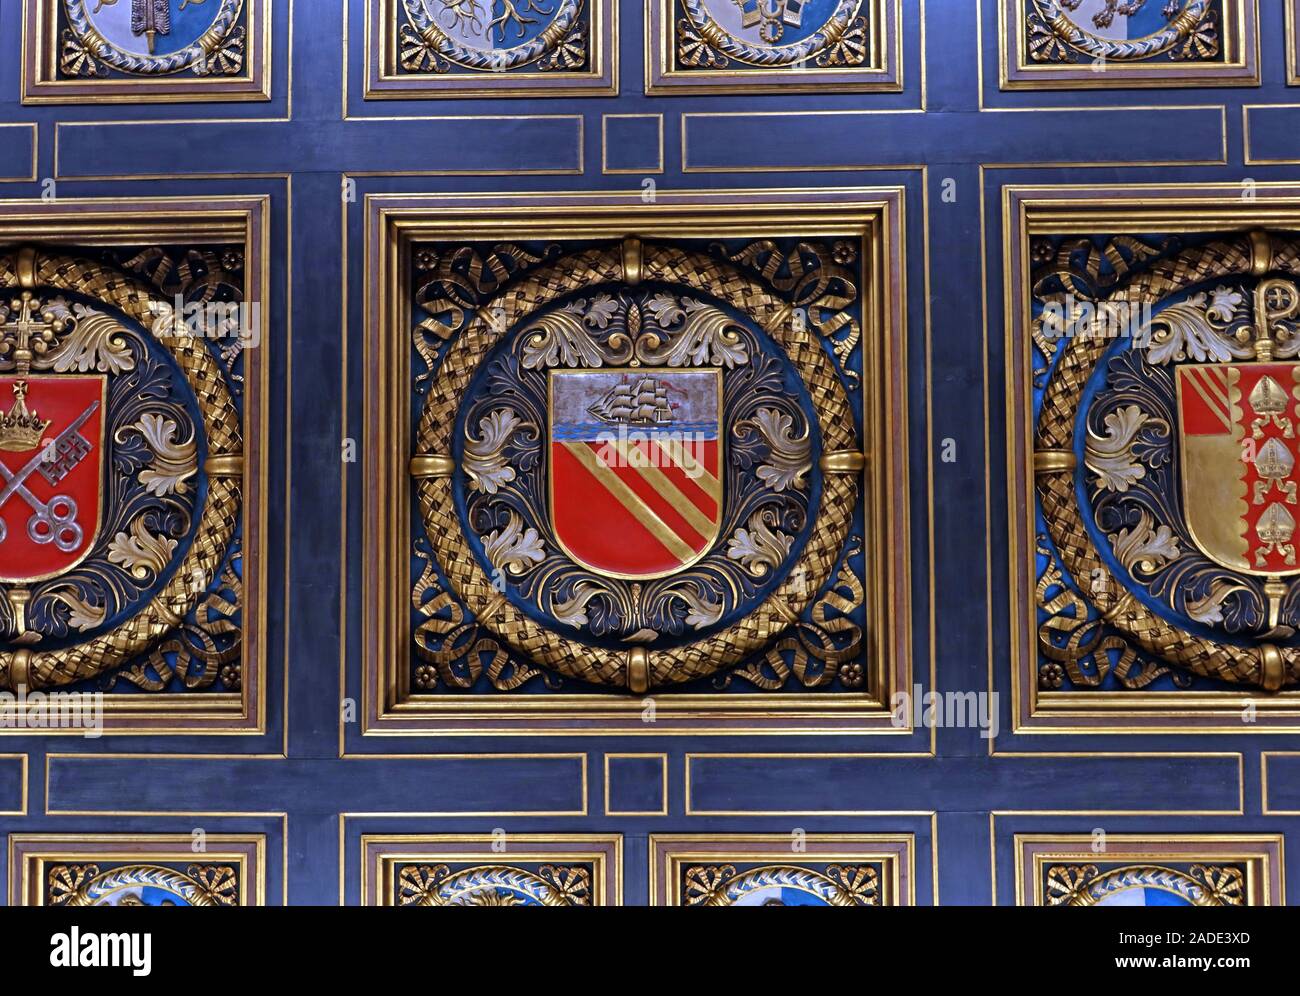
[151, 38]
[1144, 885]
[636, 465]
[121, 463]
[782, 885]
[494, 36]
[755, 35]
[142, 885]
[1167, 461]
[493, 885]
[1062, 32]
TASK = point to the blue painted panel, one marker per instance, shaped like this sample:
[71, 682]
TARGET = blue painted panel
[298, 153]
[12, 784]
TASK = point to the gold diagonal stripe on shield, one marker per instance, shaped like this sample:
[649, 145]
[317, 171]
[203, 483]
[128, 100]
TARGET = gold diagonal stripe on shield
[709, 484]
[660, 481]
[1211, 378]
[1212, 384]
[1211, 402]
[630, 500]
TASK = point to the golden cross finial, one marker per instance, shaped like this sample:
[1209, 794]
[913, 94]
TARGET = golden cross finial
[1275, 299]
[28, 333]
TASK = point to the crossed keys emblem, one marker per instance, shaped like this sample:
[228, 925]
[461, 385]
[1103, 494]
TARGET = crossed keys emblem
[54, 521]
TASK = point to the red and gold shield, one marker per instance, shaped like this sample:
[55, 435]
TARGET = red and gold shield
[1239, 428]
[636, 467]
[51, 473]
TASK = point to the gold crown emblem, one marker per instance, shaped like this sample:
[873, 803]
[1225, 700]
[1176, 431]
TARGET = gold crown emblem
[21, 429]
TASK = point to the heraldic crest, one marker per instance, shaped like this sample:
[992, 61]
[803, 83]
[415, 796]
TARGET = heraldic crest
[142, 885]
[1166, 465]
[636, 465]
[120, 475]
[205, 38]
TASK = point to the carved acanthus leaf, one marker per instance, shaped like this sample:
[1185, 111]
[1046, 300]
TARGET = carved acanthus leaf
[573, 610]
[513, 547]
[95, 342]
[560, 339]
[1196, 328]
[1210, 608]
[173, 462]
[485, 459]
[1111, 457]
[759, 548]
[703, 611]
[1146, 546]
[707, 336]
[140, 552]
[82, 615]
[789, 456]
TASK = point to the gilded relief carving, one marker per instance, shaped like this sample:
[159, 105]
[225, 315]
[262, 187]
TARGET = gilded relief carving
[636, 492]
[431, 48]
[497, 36]
[141, 885]
[764, 870]
[85, 50]
[782, 45]
[1081, 43]
[494, 885]
[1144, 885]
[1159, 869]
[1165, 459]
[473, 870]
[122, 454]
[152, 37]
[782, 885]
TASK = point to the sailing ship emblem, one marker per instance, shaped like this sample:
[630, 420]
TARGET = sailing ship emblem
[636, 468]
[644, 402]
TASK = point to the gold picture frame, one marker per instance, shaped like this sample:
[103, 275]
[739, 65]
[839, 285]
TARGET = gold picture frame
[824, 863]
[383, 44]
[33, 856]
[540, 865]
[244, 221]
[394, 222]
[1118, 209]
[881, 70]
[43, 83]
[1103, 62]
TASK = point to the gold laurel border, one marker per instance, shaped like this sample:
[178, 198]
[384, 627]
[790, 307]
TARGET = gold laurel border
[44, 669]
[601, 665]
[1266, 666]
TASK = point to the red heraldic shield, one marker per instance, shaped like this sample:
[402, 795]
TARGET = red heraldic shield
[1239, 429]
[51, 473]
[636, 467]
